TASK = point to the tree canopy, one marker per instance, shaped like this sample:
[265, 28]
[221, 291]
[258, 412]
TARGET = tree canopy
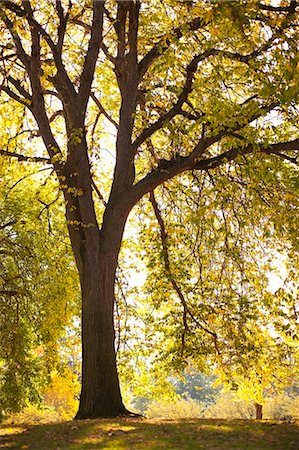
[38, 287]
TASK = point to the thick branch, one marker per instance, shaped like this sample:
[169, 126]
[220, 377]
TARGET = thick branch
[126, 65]
[134, 8]
[22, 55]
[126, 70]
[177, 107]
[230, 155]
[87, 27]
[290, 8]
[39, 112]
[28, 14]
[63, 18]
[14, 96]
[20, 157]
[19, 87]
[165, 42]
[188, 85]
[61, 80]
[169, 168]
[94, 45]
[166, 170]
[120, 28]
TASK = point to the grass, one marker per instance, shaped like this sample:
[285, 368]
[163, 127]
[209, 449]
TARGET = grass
[140, 434]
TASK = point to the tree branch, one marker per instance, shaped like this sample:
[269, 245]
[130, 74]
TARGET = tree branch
[22, 55]
[177, 107]
[290, 8]
[187, 89]
[11, 293]
[28, 14]
[19, 87]
[38, 107]
[230, 155]
[20, 157]
[134, 8]
[120, 28]
[165, 254]
[61, 79]
[63, 18]
[176, 287]
[94, 45]
[165, 42]
[102, 110]
[105, 50]
[14, 96]
[87, 27]
[8, 224]
[99, 194]
[167, 169]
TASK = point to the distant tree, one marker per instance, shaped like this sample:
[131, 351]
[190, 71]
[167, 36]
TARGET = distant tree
[196, 386]
[262, 373]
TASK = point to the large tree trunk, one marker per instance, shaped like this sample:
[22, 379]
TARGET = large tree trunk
[96, 253]
[100, 395]
[100, 391]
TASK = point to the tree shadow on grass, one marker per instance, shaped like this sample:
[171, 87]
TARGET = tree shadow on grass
[130, 434]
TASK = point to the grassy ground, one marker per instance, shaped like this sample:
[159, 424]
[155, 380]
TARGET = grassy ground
[131, 434]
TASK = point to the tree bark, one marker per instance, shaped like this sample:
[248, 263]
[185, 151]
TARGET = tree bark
[258, 411]
[100, 390]
[100, 394]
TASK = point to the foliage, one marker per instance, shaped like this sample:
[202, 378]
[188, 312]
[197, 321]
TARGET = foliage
[156, 394]
[37, 286]
[229, 406]
[181, 409]
[196, 386]
[207, 295]
[202, 99]
[146, 383]
[282, 406]
[34, 414]
[61, 395]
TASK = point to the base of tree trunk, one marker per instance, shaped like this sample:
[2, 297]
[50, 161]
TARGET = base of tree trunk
[123, 413]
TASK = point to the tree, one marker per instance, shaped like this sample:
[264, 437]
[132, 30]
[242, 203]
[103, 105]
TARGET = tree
[196, 386]
[37, 286]
[207, 296]
[258, 378]
[186, 85]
